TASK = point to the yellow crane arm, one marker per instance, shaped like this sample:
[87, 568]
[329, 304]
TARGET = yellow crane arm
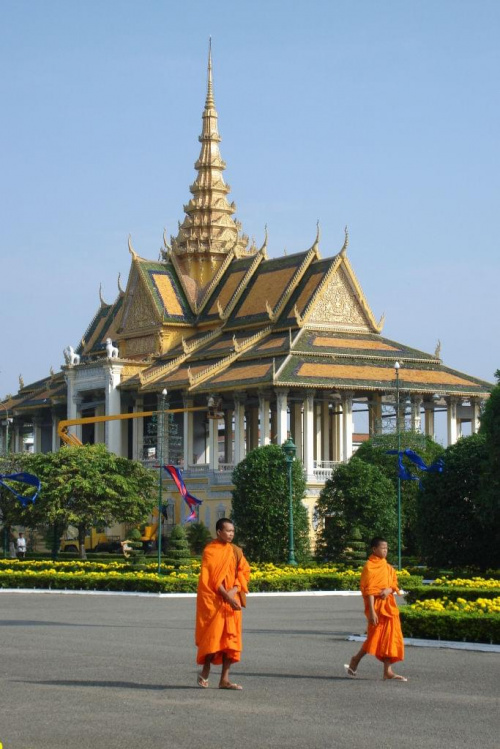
[72, 439]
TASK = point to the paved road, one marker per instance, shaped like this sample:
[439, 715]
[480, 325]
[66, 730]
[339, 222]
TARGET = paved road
[116, 672]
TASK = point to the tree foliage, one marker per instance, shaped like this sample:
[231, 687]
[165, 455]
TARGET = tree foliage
[357, 503]
[12, 511]
[260, 506]
[88, 486]
[374, 451]
[198, 537]
[456, 521]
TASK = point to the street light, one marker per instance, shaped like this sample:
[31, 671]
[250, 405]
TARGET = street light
[160, 439]
[7, 421]
[290, 450]
[398, 432]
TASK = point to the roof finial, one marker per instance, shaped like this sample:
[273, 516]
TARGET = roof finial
[210, 91]
[346, 242]
[103, 303]
[130, 248]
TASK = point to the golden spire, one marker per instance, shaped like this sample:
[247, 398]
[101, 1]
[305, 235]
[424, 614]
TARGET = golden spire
[208, 229]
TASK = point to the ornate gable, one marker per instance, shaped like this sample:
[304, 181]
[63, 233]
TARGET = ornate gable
[337, 305]
[139, 311]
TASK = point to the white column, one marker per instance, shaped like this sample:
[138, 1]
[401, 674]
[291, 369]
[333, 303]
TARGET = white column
[137, 431]
[17, 441]
[228, 435]
[338, 422]
[113, 429]
[73, 403]
[37, 434]
[416, 405]
[252, 419]
[100, 426]
[213, 444]
[309, 435]
[239, 428]
[281, 415]
[452, 420]
[296, 428]
[188, 431]
[317, 430]
[264, 419]
[375, 414]
[55, 437]
[475, 406]
[346, 426]
[429, 419]
[325, 428]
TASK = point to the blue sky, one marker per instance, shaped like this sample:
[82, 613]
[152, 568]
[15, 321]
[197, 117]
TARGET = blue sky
[380, 115]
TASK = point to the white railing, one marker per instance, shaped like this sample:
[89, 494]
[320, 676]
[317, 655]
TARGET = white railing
[323, 469]
[198, 468]
[226, 467]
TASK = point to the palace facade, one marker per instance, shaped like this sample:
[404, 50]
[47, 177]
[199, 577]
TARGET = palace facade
[280, 345]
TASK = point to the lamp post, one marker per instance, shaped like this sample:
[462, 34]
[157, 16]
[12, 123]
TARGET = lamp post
[6, 449]
[290, 450]
[398, 433]
[161, 436]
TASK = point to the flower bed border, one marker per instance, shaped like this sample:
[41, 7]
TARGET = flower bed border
[450, 625]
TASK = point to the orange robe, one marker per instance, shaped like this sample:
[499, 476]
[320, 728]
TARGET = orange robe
[218, 626]
[385, 640]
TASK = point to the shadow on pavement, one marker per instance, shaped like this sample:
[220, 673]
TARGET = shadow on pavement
[112, 684]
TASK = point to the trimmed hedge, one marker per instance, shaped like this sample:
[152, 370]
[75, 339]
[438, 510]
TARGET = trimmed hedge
[124, 579]
[450, 625]
[424, 592]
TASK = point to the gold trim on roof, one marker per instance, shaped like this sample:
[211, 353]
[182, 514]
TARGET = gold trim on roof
[384, 374]
[220, 366]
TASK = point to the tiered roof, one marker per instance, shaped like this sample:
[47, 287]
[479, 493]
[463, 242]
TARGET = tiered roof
[215, 315]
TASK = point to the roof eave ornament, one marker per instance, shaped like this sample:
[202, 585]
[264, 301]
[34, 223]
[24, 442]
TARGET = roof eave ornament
[343, 251]
[263, 249]
[315, 246]
[103, 303]
[270, 312]
[131, 249]
[120, 290]
[298, 316]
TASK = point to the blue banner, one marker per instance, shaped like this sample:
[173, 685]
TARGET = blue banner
[22, 478]
[405, 474]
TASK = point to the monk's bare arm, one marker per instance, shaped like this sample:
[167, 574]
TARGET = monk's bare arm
[385, 592]
[230, 596]
[372, 616]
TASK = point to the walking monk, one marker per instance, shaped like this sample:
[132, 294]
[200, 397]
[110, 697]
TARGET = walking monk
[222, 587]
[385, 639]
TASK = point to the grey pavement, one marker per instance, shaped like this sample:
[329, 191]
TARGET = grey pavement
[116, 672]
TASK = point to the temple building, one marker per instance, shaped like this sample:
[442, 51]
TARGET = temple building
[279, 344]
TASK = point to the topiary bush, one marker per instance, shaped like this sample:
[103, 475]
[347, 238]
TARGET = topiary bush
[177, 553]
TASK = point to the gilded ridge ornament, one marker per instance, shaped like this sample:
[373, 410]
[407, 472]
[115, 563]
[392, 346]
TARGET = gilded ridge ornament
[343, 251]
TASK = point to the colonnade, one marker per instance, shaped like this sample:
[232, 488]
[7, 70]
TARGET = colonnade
[319, 422]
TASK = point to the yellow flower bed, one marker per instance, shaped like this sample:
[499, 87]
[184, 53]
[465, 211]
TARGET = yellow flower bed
[479, 606]
[468, 582]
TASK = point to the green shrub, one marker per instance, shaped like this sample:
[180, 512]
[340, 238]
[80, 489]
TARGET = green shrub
[450, 625]
[178, 553]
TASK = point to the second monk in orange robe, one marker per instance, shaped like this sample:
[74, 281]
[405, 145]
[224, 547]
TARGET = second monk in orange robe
[224, 576]
[385, 639]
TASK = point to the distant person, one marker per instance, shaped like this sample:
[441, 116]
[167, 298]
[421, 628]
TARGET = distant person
[384, 639]
[222, 587]
[12, 548]
[21, 546]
